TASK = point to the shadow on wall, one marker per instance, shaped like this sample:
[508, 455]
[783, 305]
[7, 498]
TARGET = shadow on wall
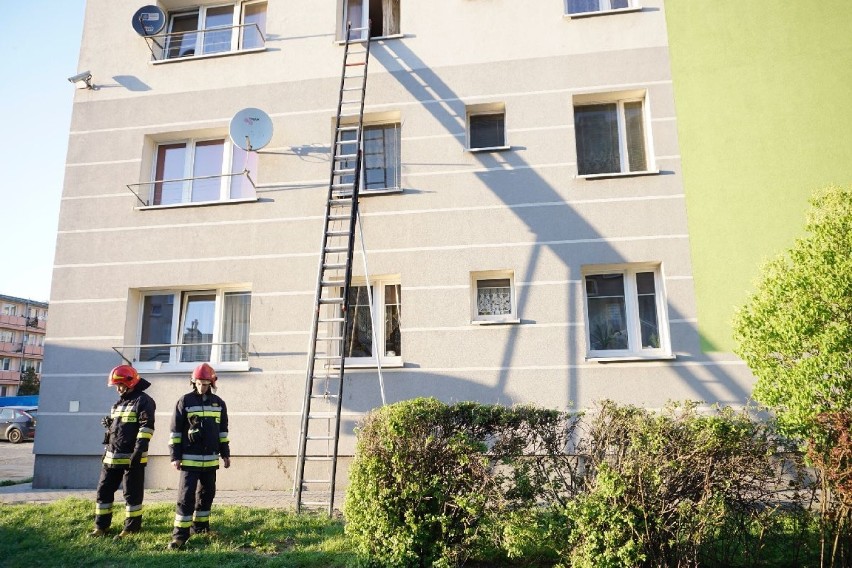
[505, 174]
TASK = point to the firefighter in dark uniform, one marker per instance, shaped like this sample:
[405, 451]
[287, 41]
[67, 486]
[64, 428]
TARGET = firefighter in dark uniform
[199, 439]
[129, 428]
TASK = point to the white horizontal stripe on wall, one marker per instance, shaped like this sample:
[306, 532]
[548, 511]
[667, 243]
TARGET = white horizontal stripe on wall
[436, 210]
[223, 122]
[378, 251]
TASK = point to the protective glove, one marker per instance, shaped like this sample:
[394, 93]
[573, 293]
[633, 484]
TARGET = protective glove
[135, 460]
[106, 421]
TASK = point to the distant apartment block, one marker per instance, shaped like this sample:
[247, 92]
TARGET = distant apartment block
[22, 328]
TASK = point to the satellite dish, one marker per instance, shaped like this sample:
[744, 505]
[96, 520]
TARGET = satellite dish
[251, 129]
[148, 20]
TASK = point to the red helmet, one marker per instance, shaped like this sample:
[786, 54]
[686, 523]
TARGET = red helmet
[123, 375]
[204, 372]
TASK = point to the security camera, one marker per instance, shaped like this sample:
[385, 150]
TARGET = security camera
[82, 79]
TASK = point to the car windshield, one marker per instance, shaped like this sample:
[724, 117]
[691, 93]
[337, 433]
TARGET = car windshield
[31, 413]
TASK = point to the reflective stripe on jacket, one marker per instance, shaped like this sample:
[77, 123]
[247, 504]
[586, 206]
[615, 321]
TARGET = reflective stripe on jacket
[199, 431]
[132, 427]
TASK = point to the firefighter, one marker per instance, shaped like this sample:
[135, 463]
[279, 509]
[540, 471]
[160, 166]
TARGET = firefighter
[199, 439]
[129, 428]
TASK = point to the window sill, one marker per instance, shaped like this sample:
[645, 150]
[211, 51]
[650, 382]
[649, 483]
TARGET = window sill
[207, 56]
[496, 322]
[488, 149]
[580, 15]
[158, 367]
[394, 364]
[390, 191]
[618, 175]
[377, 38]
[631, 358]
[198, 204]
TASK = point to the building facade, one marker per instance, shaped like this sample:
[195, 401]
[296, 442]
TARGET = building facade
[523, 213]
[22, 328]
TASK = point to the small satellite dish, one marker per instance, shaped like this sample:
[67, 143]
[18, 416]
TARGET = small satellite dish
[148, 20]
[251, 129]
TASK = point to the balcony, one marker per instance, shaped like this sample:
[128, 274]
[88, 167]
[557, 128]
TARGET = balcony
[10, 377]
[211, 42]
[195, 191]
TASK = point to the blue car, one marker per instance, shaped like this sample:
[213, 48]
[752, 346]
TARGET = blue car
[17, 423]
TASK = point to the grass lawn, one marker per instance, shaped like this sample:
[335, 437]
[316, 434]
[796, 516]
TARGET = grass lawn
[36, 535]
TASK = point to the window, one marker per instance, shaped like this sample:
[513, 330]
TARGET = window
[382, 16]
[7, 336]
[494, 297]
[625, 311]
[5, 364]
[10, 310]
[486, 126]
[210, 29]
[592, 6]
[381, 151]
[197, 171]
[611, 134]
[387, 300]
[187, 327]
[30, 364]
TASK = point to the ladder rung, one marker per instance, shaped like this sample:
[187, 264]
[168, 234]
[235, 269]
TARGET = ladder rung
[353, 89]
[332, 283]
[323, 396]
[338, 233]
[347, 129]
[339, 217]
[343, 157]
[320, 437]
[327, 357]
[356, 64]
[342, 185]
[340, 201]
[331, 300]
[322, 416]
[330, 320]
[336, 249]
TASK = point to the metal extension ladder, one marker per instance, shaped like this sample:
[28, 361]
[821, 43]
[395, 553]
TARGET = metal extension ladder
[320, 428]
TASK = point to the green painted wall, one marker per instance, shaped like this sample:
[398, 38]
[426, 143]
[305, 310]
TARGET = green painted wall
[763, 91]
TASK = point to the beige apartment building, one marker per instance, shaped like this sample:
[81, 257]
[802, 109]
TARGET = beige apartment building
[22, 329]
[522, 210]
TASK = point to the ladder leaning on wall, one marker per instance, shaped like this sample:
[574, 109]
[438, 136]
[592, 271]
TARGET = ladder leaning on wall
[320, 427]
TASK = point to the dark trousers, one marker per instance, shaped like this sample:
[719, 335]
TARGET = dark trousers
[134, 488]
[195, 497]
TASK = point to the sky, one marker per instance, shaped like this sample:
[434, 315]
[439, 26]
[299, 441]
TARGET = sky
[40, 43]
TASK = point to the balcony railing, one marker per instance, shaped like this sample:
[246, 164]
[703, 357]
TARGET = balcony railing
[202, 189]
[168, 353]
[206, 42]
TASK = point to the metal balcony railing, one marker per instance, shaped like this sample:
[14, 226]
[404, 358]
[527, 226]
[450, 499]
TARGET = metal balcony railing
[206, 42]
[223, 352]
[195, 189]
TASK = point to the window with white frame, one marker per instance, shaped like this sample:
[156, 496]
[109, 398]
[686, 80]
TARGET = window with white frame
[5, 364]
[381, 164]
[486, 126]
[7, 336]
[10, 309]
[28, 364]
[625, 311]
[222, 28]
[493, 299]
[380, 16]
[574, 7]
[201, 171]
[611, 133]
[182, 328]
[384, 328]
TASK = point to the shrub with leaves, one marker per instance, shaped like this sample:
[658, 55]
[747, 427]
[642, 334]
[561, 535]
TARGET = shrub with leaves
[662, 489]
[431, 483]
[795, 332]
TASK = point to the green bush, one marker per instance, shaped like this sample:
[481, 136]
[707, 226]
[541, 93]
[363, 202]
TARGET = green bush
[666, 488]
[431, 483]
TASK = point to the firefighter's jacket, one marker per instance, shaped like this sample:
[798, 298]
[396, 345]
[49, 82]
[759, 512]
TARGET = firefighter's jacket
[199, 431]
[131, 428]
